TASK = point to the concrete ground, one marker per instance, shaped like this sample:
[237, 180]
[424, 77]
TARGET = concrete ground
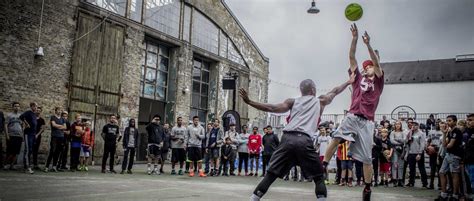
[93, 185]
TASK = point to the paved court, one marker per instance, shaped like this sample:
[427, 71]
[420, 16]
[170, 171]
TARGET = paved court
[140, 186]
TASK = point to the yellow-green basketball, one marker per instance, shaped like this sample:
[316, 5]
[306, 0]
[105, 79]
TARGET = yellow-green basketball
[353, 12]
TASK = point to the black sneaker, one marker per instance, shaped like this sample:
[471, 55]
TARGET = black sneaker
[122, 172]
[366, 193]
[161, 171]
[113, 171]
[173, 172]
[129, 172]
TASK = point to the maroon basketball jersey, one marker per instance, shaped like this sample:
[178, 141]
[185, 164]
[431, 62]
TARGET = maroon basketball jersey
[365, 95]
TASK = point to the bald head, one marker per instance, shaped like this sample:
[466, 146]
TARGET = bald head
[307, 87]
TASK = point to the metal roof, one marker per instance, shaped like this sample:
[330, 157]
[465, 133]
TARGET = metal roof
[442, 70]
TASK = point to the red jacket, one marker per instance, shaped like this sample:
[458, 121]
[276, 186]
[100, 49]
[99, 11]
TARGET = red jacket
[88, 138]
[255, 143]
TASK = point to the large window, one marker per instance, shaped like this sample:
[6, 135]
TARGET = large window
[187, 23]
[163, 15]
[154, 75]
[115, 6]
[205, 33]
[136, 10]
[200, 92]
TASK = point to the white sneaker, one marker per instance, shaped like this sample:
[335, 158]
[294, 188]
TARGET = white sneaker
[46, 169]
[149, 171]
[30, 171]
[155, 171]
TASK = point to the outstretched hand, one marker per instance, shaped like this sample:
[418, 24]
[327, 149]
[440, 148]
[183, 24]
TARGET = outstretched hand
[244, 95]
[354, 30]
[366, 38]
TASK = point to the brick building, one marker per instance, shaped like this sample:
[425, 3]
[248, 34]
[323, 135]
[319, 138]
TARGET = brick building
[136, 58]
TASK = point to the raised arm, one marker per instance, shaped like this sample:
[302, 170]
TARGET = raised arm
[327, 98]
[267, 107]
[373, 55]
[352, 51]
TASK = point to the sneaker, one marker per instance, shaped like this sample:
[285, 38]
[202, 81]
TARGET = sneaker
[103, 171]
[129, 172]
[86, 168]
[342, 184]
[255, 175]
[122, 172]
[46, 170]
[232, 174]
[79, 168]
[180, 172]
[55, 169]
[161, 171]
[30, 171]
[366, 194]
[251, 174]
[201, 174]
[286, 178]
[263, 175]
[191, 174]
[113, 171]
[238, 174]
[349, 184]
[149, 171]
[326, 182]
[173, 172]
[246, 174]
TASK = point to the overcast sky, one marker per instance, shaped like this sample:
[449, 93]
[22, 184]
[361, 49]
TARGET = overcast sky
[302, 45]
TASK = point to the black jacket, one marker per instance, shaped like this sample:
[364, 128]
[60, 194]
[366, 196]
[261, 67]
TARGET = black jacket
[270, 143]
[226, 150]
[126, 137]
[155, 132]
[166, 140]
[469, 147]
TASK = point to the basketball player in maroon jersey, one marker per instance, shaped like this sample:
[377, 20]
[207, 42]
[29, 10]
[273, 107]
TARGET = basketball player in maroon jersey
[358, 126]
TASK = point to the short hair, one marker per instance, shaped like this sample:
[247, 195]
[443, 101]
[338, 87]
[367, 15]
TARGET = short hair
[179, 118]
[33, 103]
[214, 120]
[39, 107]
[410, 119]
[306, 86]
[244, 126]
[113, 115]
[269, 127]
[77, 115]
[157, 116]
[453, 117]
[195, 117]
[64, 112]
[57, 108]
[227, 138]
[232, 124]
[384, 130]
[255, 128]
[415, 123]
[14, 103]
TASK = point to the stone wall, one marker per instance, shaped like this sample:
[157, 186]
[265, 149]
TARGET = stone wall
[23, 77]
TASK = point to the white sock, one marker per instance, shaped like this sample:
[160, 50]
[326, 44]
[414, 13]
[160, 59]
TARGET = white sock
[254, 198]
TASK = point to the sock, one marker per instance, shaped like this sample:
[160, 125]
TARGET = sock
[367, 186]
[444, 195]
[254, 198]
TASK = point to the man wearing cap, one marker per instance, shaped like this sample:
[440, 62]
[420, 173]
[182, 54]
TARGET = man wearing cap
[359, 125]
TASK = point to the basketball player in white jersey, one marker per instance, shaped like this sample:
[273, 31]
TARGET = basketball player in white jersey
[296, 146]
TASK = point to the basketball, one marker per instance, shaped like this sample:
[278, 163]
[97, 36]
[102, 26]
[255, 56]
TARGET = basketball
[386, 154]
[430, 150]
[353, 12]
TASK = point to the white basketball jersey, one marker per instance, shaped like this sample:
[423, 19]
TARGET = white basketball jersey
[304, 116]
